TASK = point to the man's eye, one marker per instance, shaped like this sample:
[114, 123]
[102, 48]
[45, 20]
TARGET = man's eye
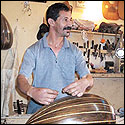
[66, 20]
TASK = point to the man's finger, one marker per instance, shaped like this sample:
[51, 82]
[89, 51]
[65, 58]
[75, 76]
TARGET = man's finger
[51, 91]
[71, 90]
[70, 86]
[75, 93]
[51, 96]
[80, 94]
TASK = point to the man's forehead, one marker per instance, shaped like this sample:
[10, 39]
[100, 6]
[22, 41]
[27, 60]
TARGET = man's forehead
[65, 14]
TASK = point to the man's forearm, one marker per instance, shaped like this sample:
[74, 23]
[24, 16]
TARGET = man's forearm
[90, 79]
[40, 95]
[22, 84]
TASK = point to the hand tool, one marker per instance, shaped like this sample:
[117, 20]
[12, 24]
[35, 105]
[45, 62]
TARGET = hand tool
[88, 44]
[95, 53]
[88, 56]
[92, 47]
[99, 49]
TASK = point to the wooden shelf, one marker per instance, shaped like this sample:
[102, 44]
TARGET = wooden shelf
[99, 33]
[96, 33]
[108, 75]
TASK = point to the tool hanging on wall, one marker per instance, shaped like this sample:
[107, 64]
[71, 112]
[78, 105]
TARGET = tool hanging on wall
[92, 47]
[88, 56]
[76, 43]
[88, 44]
[102, 39]
[101, 57]
[119, 48]
[84, 46]
[99, 50]
[95, 53]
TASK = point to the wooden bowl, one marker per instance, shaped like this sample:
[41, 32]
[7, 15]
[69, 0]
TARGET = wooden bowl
[88, 109]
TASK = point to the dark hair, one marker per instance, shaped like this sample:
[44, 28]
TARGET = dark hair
[53, 11]
[43, 28]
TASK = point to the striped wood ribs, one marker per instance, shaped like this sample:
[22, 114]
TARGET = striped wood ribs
[88, 109]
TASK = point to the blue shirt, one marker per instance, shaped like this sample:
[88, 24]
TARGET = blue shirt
[50, 71]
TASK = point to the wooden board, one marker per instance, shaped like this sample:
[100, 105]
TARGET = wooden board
[98, 71]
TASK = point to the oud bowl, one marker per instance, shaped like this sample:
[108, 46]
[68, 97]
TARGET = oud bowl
[88, 109]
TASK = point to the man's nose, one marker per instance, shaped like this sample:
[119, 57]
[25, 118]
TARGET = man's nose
[70, 23]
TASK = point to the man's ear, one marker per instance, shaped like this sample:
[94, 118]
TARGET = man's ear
[51, 22]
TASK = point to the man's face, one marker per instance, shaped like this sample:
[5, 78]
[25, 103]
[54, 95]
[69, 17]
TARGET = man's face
[62, 22]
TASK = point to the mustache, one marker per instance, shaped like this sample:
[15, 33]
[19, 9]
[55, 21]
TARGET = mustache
[67, 28]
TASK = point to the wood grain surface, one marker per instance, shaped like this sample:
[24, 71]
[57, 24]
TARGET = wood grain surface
[88, 109]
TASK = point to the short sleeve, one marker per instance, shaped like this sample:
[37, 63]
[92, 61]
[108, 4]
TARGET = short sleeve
[28, 63]
[80, 64]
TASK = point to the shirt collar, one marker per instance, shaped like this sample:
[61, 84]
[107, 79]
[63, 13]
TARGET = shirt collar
[66, 43]
[45, 43]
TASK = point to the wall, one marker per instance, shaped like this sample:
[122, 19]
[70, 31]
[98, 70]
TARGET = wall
[112, 89]
[25, 27]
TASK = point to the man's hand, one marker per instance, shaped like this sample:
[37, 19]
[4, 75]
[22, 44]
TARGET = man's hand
[42, 95]
[78, 87]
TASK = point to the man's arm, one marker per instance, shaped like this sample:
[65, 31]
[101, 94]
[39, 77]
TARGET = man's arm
[78, 87]
[41, 95]
[22, 84]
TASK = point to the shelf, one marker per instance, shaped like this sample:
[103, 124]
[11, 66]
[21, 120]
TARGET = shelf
[96, 33]
[108, 75]
[99, 33]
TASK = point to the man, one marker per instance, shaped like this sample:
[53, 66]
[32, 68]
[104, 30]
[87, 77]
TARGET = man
[53, 61]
